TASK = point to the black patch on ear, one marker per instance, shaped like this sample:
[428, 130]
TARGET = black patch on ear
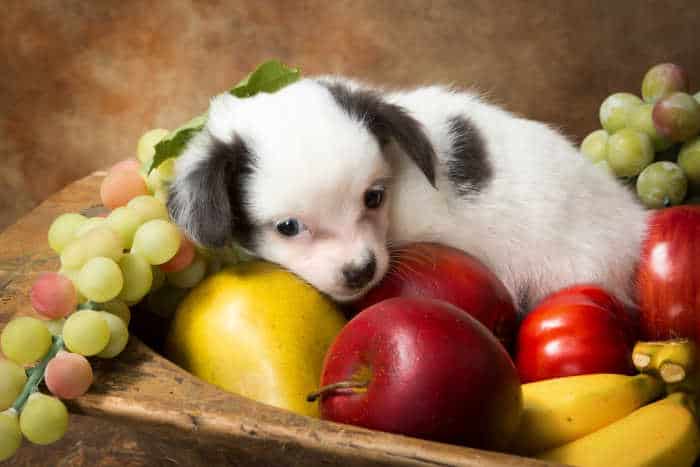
[468, 167]
[210, 202]
[387, 121]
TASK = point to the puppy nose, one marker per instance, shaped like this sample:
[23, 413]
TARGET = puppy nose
[358, 277]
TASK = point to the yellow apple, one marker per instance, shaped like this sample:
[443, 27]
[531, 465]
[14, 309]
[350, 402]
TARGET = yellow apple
[256, 330]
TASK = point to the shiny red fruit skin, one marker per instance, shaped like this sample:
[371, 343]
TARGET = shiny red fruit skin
[435, 373]
[435, 271]
[601, 297]
[668, 278]
[579, 330]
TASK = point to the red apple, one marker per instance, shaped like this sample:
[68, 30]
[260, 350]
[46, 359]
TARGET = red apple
[579, 330]
[434, 271]
[669, 275]
[428, 370]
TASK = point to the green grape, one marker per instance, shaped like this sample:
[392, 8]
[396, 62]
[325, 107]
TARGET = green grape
[629, 151]
[604, 165]
[100, 241]
[118, 336]
[117, 308]
[190, 276]
[12, 381]
[55, 326]
[73, 274]
[689, 160]
[616, 109]
[100, 279]
[158, 278]
[149, 208]
[90, 224]
[157, 241]
[153, 181]
[595, 146]
[697, 97]
[145, 148]
[226, 255]
[166, 170]
[44, 419]
[138, 277]
[161, 195]
[86, 333]
[10, 434]
[125, 222]
[661, 183]
[62, 230]
[25, 340]
[663, 79]
[241, 254]
[641, 119]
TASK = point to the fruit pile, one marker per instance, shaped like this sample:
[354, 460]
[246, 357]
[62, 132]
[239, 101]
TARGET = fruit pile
[434, 351]
[653, 141]
[109, 262]
[577, 399]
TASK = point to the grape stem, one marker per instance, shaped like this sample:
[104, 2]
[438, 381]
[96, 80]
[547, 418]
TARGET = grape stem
[89, 305]
[36, 374]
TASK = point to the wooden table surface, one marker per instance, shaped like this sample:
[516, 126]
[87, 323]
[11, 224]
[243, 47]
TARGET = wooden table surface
[142, 410]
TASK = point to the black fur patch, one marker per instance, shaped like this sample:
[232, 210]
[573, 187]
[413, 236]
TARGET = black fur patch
[468, 167]
[387, 121]
[216, 197]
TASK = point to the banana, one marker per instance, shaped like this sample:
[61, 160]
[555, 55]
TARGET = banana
[560, 410]
[672, 360]
[662, 434]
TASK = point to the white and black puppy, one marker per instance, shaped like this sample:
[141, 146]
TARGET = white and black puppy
[324, 175]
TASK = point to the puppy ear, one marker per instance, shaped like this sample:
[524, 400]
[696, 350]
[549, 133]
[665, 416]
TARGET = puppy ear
[387, 122]
[206, 198]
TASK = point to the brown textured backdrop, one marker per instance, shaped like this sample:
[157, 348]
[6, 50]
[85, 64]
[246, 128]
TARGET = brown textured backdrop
[80, 80]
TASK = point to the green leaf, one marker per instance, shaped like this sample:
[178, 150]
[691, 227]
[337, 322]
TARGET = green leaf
[268, 77]
[176, 141]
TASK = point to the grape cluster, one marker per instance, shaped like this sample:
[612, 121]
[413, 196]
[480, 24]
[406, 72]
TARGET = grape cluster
[107, 265]
[653, 141]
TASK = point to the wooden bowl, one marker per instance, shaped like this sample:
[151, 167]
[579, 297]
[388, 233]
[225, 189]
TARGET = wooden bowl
[144, 410]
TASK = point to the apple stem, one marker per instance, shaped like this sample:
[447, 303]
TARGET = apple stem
[332, 387]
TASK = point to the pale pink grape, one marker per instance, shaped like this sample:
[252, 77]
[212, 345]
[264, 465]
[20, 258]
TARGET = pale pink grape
[53, 295]
[121, 186]
[183, 257]
[68, 375]
[127, 164]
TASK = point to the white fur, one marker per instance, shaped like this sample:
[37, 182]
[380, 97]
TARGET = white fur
[547, 218]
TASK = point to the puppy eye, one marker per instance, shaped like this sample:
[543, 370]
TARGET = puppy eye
[374, 198]
[289, 227]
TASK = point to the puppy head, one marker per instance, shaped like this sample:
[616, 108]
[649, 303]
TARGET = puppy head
[299, 178]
